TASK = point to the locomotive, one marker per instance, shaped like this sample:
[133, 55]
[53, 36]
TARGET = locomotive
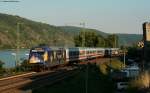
[44, 57]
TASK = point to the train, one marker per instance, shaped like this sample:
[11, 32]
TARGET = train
[44, 57]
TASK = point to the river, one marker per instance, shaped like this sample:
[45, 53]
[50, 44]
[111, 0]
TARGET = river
[9, 57]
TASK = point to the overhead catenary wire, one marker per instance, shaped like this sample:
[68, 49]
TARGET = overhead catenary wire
[84, 45]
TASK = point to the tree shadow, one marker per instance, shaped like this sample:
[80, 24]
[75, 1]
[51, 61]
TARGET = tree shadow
[97, 82]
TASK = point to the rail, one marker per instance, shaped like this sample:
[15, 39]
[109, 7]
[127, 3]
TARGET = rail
[23, 83]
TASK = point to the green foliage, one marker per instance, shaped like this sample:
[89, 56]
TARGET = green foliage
[112, 40]
[92, 39]
[1, 64]
[2, 70]
[135, 53]
[88, 39]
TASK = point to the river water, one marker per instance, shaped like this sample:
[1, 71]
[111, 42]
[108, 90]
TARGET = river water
[9, 57]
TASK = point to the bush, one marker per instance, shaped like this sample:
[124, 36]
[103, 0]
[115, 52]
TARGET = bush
[2, 70]
[1, 64]
[141, 82]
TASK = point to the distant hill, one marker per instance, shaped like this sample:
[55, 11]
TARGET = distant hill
[124, 39]
[33, 33]
[75, 30]
[129, 39]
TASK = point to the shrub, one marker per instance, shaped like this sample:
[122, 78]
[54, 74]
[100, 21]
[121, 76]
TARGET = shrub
[141, 82]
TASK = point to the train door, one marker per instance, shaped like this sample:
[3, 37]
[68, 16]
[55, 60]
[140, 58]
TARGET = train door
[51, 56]
[107, 52]
[67, 55]
[58, 56]
[64, 56]
[61, 55]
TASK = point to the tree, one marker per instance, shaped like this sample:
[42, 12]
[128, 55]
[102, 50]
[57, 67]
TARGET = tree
[78, 39]
[112, 40]
[1, 64]
[93, 39]
[2, 70]
[89, 39]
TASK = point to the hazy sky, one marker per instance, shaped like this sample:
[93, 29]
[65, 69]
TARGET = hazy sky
[111, 16]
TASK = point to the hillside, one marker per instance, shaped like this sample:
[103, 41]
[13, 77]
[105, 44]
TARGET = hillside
[32, 33]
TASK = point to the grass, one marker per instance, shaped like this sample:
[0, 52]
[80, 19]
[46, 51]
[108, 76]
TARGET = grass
[142, 81]
[114, 64]
[97, 83]
[11, 72]
[140, 84]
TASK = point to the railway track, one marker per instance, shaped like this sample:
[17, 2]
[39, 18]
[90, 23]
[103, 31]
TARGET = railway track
[33, 81]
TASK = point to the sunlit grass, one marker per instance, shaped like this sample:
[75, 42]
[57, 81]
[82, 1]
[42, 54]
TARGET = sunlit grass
[103, 68]
[142, 81]
[115, 64]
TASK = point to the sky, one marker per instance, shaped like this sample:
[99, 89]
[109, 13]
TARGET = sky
[110, 16]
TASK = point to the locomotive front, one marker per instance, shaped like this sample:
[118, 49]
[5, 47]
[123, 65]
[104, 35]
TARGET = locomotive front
[39, 55]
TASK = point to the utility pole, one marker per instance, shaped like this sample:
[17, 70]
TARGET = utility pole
[109, 52]
[124, 57]
[83, 45]
[86, 87]
[83, 35]
[115, 41]
[18, 45]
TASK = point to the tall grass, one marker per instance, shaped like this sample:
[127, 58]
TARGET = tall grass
[142, 81]
[114, 64]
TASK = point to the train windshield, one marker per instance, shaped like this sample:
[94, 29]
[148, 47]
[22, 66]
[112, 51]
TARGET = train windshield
[37, 53]
[37, 56]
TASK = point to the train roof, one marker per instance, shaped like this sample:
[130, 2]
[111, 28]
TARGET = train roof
[40, 48]
[72, 48]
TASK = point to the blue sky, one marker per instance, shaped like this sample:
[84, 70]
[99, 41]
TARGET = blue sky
[111, 16]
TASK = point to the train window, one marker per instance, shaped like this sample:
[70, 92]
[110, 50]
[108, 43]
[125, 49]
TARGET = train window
[73, 53]
[87, 52]
[70, 53]
[39, 53]
[76, 53]
[93, 51]
[82, 52]
[100, 51]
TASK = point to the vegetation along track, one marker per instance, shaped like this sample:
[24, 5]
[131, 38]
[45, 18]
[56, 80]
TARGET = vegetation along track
[35, 81]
